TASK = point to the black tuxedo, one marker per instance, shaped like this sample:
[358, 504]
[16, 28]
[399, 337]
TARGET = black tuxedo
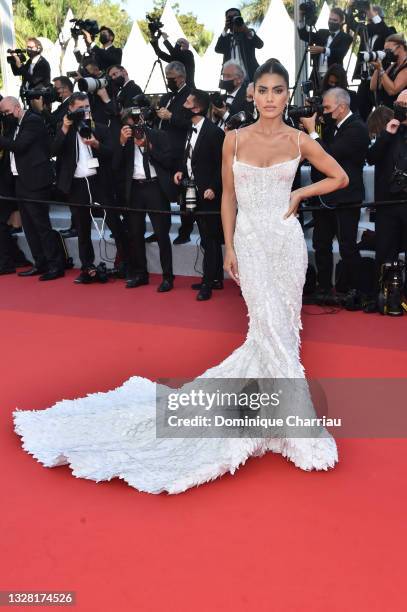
[206, 165]
[349, 148]
[125, 96]
[238, 104]
[174, 54]
[97, 188]
[153, 194]
[40, 77]
[338, 48]
[103, 57]
[178, 125]
[247, 47]
[31, 152]
[57, 116]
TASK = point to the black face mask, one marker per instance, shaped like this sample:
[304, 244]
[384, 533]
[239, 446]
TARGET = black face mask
[228, 85]
[172, 84]
[189, 113]
[31, 53]
[400, 112]
[118, 82]
[333, 26]
[9, 121]
[390, 56]
[329, 121]
[104, 38]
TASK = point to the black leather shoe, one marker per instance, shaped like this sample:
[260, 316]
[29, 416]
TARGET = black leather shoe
[69, 233]
[4, 271]
[86, 277]
[217, 284]
[137, 281]
[205, 293]
[34, 271]
[151, 238]
[181, 240]
[353, 300]
[165, 286]
[52, 275]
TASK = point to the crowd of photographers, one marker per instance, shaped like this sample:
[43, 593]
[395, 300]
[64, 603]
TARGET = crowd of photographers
[92, 137]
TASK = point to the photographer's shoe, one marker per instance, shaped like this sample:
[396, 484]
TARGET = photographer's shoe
[205, 293]
[182, 240]
[151, 238]
[101, 273]
[71, 232]
[166, 285]
[52, 275]
[86, 277]
[217, 284]
[137, 281]
[34, 271]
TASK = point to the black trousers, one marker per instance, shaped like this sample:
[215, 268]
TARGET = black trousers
[148, 196]
[10, 253]
[365, 99]
[210, 231]
[43, 241]
[342, 223]
[85, 191]
[391, 234]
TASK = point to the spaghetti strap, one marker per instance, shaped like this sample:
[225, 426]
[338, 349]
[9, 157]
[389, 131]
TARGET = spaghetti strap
[235, 158]
[299, 149]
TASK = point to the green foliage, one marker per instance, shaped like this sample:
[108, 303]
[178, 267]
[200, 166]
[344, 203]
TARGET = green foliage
[196, 33]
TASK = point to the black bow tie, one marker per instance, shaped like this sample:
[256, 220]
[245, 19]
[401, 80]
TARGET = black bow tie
[193, 129]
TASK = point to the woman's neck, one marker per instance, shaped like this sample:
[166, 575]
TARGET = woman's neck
[270, 126]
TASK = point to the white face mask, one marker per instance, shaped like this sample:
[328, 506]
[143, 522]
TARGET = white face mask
[376, 19]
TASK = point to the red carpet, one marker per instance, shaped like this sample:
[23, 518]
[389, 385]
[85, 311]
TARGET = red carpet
[269, 538]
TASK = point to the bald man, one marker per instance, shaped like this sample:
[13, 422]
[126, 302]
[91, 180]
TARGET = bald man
[27, 149]
[178, 53]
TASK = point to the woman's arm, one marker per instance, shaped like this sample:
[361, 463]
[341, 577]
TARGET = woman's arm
[395, 87]
[229, 205]
[336, 175]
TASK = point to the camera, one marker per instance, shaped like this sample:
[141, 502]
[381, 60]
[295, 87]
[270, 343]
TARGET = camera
[239, 120]
[237, 21]
[83, 126]
[309, 10]
[154, 26]
[390, 299]
[89, 25]
[20, 54]
[400, 112]
[360, 9]
[49, 94]
[190, 197]
[91, 84]
[398, 181]
[314, 106]
[373, 56]
[217, 99]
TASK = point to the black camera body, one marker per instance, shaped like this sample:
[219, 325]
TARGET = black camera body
[82, 125]
[314, 106]
[360, 9]
[90, 25]
[239, 120]
[49, 94]
[217, 99]
[390, 299]
[400, 112]
[309, 10]
[154, 26]
[20, 54]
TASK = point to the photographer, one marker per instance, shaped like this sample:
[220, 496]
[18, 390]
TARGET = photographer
[125, 90]
[104, 56]
[387, 84]
[348, 147]
[28, 152]
[147, 159]
[336, 77]
[200, 170]
[326, 47]
[178, 53]
[94, 84]
[389, 155]
[234, 83]
[84, 153]
[372, 36]
[36, 72]
[64, 89]
[239, 43]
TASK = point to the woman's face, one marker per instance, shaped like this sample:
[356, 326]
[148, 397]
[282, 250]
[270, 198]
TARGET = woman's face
[332, 81]
[271, 95]
[393, 47]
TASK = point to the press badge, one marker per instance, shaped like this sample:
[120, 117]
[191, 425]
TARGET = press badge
[93, 163]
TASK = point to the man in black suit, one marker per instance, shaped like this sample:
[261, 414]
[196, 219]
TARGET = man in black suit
[30, 166]
[125, 90]
[106, 55]
[233, 82]
[173, 120]
[239, 43]
[326, 47]
[372, 38]
[202, 164]
[36, 72]
[84, 152]
[349, 148]
[178, 53]
[64, 89]
[147, 159]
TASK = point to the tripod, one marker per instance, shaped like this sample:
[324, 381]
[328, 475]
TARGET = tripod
[159, 62]
[316, 79]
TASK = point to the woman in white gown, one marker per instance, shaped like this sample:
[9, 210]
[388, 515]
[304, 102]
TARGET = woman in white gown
[113, 435]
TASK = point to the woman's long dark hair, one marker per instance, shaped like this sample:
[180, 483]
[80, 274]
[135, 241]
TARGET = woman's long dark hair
[339, 73]
[272, 66]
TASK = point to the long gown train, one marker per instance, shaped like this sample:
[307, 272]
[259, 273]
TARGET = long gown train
[113, 435]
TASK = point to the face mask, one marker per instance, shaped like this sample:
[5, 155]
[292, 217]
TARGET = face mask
[376, 19]
[400, 112]
[9, 121]
[189, 113]
[118, 82]
[329, 121]
[172, 84]
[32, 53]
[333, 26]
[391, 56]
[332, 85]
[228, 85]
[104, 38]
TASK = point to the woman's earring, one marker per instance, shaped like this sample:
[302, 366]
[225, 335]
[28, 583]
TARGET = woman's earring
[255, 112]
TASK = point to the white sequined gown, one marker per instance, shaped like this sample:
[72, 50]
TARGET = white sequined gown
[112, 435]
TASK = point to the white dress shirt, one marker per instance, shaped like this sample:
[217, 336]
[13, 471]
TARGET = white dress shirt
[191, 142]
[323, 59]
[33, 62]
[138, 171]
[85, 154]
